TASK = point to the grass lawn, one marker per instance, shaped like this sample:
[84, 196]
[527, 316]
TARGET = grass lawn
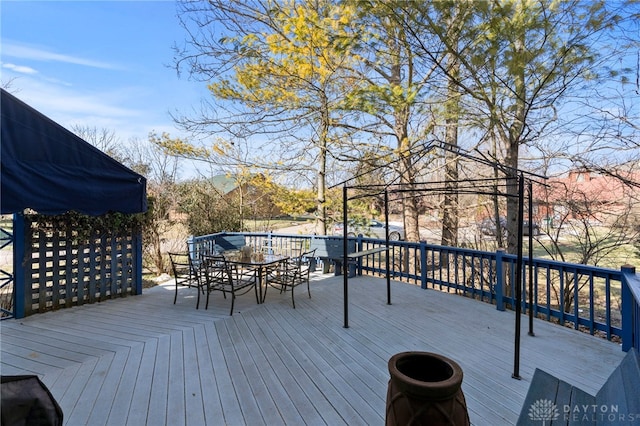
[572, 251]
[262, 225]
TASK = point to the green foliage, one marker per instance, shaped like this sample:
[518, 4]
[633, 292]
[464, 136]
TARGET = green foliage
[83, 228]
[207, 210]
[285, 62]
[295, 202]
[177, 147]
[384, 72]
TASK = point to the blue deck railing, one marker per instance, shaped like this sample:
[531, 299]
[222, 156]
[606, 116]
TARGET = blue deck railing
[630, 309]
[595, 300]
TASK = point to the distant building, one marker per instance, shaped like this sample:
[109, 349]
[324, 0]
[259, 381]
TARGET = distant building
[586, 194]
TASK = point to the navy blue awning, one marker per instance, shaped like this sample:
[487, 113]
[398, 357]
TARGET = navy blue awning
[47, 168]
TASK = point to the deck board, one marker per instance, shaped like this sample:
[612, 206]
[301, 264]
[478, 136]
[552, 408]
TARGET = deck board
[144, 361]
[140, 400]
[231, 411]
[123, 395]
[211, 412]
[159, 399]
[283, 361]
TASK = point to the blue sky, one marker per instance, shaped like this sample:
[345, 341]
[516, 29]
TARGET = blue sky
[103, 64]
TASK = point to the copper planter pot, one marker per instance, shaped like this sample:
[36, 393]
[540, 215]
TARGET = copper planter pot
[425, 389]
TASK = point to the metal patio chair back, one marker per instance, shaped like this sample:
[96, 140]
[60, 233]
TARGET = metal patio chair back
[292, 273]
[218, 274]
[185, 273]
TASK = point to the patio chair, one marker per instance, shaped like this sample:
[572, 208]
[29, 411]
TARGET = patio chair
[292, 249]
[218, 274]
[185, 273]
[291, 274]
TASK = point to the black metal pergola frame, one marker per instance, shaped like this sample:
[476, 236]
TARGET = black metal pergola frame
[512, 176]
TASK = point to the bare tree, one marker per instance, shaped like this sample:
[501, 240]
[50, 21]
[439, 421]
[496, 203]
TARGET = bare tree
[593, 217]
[517, 61]
[104, 139]
[8, 84]
[162, 232]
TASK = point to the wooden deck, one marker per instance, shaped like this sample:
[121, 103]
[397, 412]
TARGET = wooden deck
[142, 360]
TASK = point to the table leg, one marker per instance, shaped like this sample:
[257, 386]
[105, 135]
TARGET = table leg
[260, 284]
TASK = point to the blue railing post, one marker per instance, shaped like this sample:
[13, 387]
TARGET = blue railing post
[137, 261]
[630, 308]
[359, 247]
[423, 263]
[499, 284]
[19, 283]
[191, 248]
[268, 244]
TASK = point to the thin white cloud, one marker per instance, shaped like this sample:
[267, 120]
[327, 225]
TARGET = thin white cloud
[16, 50]
[72, 103]
[19, 68]
[57, 81]
[116, 109]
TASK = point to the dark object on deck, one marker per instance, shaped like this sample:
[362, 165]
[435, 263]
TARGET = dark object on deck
[331, 250]
[425, 389]
[27, 401]
[550, 399]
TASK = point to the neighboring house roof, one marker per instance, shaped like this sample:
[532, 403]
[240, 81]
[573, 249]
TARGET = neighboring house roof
[224, 183]
[227, 183]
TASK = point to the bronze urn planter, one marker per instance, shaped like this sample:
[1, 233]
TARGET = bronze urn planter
[425, 389]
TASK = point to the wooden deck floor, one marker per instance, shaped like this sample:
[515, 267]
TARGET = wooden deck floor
[142, 360]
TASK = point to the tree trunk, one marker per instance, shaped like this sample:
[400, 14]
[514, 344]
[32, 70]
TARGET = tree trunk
[407, 167]
[513, 144]
[410, 207]
[321, 219]
[407, 178]
[450, 207]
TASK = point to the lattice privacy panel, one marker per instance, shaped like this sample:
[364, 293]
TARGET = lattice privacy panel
[64, 269]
